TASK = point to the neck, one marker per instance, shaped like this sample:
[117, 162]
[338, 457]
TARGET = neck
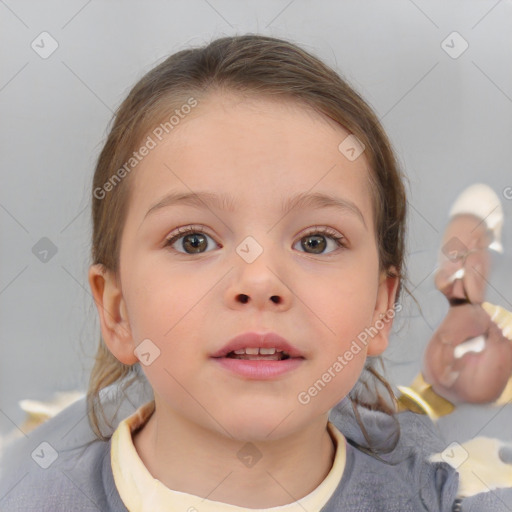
[188, 458]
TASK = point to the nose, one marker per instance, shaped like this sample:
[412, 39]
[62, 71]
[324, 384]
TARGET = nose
[259, 285]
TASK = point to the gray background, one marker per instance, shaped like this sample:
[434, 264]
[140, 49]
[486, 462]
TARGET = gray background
[450, 120]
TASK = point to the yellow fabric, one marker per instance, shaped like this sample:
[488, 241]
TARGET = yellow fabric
[140, 492]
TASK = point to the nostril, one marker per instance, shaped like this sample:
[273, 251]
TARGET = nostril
[245, 298]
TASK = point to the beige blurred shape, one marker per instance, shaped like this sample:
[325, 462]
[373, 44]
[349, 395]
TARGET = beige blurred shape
[482, 470]
[37, 412]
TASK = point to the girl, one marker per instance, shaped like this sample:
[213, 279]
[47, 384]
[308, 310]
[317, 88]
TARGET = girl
[248, 240]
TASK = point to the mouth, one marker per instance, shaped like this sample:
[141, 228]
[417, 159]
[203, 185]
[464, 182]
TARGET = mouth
[258, 354]
[255, 346]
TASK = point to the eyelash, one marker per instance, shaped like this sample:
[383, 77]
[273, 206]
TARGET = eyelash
[330, 233]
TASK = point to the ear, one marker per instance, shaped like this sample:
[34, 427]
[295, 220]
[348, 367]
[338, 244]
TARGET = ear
[384, 313]
[115, 327]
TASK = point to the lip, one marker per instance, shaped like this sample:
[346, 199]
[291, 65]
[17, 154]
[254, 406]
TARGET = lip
[258, 340]
[258, 370]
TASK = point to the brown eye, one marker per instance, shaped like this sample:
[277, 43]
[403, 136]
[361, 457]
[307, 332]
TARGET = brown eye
[317, 241]
[189, 241]
[194, 243]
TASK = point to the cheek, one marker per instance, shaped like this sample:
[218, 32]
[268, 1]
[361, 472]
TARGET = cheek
[344, 301]
[345, 319]
[156, 300]
[335, 377]
[178, 354]
[165, 308]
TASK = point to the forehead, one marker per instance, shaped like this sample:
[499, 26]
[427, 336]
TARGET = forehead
[257, 150]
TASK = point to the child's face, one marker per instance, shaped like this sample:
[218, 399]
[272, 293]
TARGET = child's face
[187, 298]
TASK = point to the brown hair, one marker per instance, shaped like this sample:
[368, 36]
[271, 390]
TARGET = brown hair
[246, 64]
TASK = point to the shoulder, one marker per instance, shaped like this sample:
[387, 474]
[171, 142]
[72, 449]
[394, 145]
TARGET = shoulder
[403, 476]
[406, 483]
[58, 480]
[399, 476]
[62, 466]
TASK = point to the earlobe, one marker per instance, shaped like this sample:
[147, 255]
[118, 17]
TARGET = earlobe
[384, 313]
[115, 327]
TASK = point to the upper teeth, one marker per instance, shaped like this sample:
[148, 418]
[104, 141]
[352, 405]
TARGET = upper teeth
[256, 351]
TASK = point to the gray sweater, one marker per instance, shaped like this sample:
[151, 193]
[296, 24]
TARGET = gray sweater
[80, 478]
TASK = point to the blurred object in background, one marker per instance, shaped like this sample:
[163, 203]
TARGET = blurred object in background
[37, 412]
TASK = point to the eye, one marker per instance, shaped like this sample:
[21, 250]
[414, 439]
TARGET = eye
[193, 240]
[317, 240]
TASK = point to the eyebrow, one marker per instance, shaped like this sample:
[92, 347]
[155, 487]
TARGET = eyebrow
[226, 202]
